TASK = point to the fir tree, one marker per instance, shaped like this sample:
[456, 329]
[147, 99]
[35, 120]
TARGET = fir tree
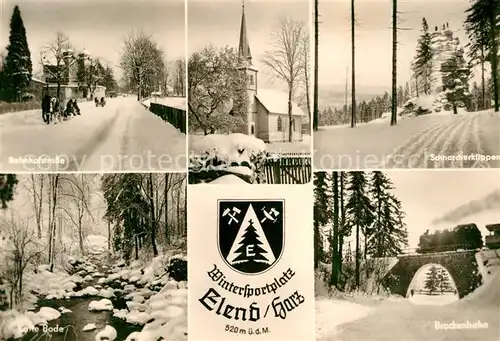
[8, 183]
[321, 213]
[18, 68]
[443, 280]
[359, 211]
[423, 59]
[388, 234]
[251, 256]
[456, 81]
[432, 280]
[482, 25]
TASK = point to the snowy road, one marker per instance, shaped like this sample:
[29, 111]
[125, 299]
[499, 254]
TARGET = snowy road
[122, 136]
[419, 142]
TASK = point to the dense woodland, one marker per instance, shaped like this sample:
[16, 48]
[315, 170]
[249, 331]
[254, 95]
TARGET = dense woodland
[357, 218]
[47, 217]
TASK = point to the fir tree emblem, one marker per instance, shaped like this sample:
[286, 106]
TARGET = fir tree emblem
[251, 234]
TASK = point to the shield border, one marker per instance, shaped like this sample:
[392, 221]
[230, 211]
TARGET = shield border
[218, 231]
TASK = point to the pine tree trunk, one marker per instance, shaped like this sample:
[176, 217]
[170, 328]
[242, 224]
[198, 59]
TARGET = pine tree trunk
[167, 234]
[483, 105]
[394, 107]
[335, 238]
[353, 65]
[342, 223]
[494, 61]
[357, 257]
[152, 215]
[416, 86]
[317, 244]
[316, 52]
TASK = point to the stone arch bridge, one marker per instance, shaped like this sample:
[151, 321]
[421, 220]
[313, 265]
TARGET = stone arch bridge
[461, 265]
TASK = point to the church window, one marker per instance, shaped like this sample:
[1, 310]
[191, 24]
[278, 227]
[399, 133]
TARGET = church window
[293, 124]
[253, 130]
[251, 80]
[280, 124]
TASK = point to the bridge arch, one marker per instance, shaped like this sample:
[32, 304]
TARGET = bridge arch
[461, 266]
[422, 270]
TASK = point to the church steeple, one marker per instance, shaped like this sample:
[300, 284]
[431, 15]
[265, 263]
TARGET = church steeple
[244, 47]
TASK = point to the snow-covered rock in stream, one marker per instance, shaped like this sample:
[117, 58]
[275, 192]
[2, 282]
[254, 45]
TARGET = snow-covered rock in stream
[137, 317]
[48, 314]
[107, 334]
[136, 306]
[120, 313]
[106, 293]
[88, 291]
[88, 278]
[103, 304]
[89, 327]
[64, 310]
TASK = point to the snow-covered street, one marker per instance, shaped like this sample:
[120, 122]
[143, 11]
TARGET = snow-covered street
[416, 142]
[122, 136]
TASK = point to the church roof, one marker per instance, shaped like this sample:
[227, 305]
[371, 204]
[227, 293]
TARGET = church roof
[276, 102]
[244, 52]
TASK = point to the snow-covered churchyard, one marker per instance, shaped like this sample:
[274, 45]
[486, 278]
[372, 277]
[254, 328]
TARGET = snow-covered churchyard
[93, 274]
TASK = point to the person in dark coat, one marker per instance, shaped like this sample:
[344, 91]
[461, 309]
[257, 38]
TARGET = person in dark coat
[75, 106]
[46, 108]
[412, 292]
[96, 100]
[69, 109]
[103, 101]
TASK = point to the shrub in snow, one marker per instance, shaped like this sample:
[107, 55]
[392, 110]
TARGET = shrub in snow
[14, 325]
[177, 269]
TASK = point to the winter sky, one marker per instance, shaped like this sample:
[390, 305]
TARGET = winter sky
[100, 27]
[429, 195]
[218, 22]
[374, 37]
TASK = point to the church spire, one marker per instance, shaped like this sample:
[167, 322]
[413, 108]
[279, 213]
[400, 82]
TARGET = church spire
[244, 47]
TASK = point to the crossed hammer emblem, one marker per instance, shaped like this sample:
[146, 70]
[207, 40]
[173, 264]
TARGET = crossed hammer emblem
[232, 213]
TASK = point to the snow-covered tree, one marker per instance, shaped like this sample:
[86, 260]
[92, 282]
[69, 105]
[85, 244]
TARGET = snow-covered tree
[456, 75]
[18, 69]
[8, 183]
[142, 61]
[218, 98]
[321, 213]
[388, 235]
[432, 280]
[53, 60]
[359, 211]
[423, 60]
[443, 280]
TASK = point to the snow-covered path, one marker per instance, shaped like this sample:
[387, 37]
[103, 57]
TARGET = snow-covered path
[413, 143]
[401, 320]
[122, 136]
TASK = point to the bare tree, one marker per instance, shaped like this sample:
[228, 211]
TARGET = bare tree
[54, 61]
[286, 60]
[53, 193]
[36, 189]
[21, 249]
[305, 64]
[142, 62]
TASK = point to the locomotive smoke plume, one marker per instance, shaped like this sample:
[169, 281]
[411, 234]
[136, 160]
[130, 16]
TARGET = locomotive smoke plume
[489, 202]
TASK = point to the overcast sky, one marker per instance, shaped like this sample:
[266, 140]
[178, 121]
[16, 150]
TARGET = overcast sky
[218, 22]
[428, 195]
[374, 37]
[100, 27]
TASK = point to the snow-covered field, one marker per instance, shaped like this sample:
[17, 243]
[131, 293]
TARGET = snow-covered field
[415, 142]
[122, 136]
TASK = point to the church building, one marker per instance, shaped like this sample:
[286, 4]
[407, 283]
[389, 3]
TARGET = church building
[267, 115]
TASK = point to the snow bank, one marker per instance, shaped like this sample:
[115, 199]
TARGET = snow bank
[231, 147]
[486, 295]
[229, 179]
